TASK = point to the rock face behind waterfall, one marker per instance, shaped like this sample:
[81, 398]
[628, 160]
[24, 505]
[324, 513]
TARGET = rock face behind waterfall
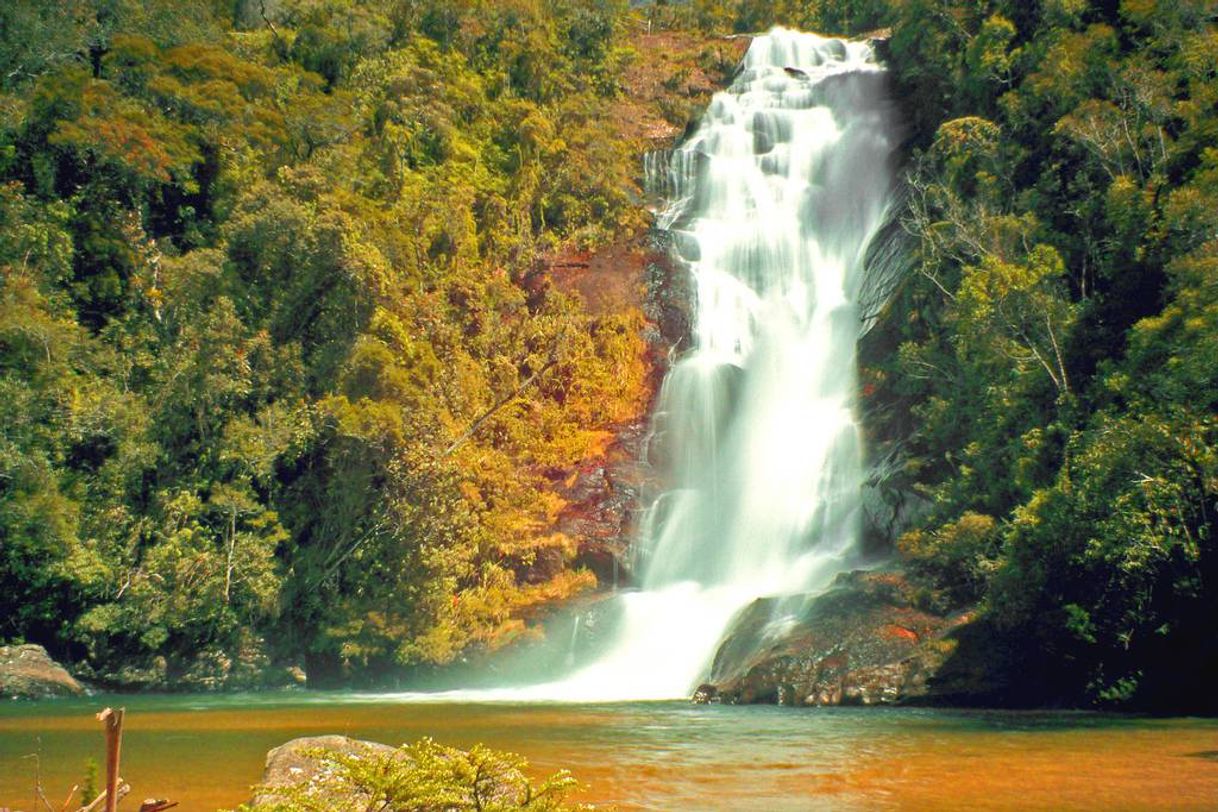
[861, 642]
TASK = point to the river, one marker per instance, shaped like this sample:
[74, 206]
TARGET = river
[205, 751]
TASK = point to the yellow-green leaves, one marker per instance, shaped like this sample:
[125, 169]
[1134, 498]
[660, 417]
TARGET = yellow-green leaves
[991, 56]
[1075, 65]
[1017, 312]
[423, 776]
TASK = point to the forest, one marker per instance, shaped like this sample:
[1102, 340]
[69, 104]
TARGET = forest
[273, 380]
[277, 380]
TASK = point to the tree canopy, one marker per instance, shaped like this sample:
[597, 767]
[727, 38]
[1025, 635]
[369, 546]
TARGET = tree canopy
[272, 375]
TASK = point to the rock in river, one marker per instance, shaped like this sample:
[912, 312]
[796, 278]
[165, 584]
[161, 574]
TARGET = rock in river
[861, 642]
[28, 672]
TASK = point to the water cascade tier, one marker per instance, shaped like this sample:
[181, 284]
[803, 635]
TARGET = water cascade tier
[774, 200]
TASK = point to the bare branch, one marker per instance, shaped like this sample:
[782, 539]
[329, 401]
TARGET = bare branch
[508, 398]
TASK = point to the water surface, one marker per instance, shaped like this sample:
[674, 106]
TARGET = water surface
[206, 750]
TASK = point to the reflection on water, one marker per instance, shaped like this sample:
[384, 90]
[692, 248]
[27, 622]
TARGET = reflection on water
[207, 750]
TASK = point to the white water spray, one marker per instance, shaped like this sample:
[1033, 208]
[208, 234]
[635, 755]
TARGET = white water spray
[776, 197]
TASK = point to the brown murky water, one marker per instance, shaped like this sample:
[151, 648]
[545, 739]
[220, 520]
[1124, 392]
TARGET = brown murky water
[205, 751]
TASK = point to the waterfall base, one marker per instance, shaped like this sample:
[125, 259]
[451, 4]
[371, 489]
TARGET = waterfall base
[861, 642]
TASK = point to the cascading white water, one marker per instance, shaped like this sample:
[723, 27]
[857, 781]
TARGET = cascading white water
[776, 197]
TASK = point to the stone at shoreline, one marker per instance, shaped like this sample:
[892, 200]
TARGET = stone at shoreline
[28, 672]
[247, 666]
[861, 642]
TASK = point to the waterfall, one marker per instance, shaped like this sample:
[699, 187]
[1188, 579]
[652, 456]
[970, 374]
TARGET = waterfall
[774, 200]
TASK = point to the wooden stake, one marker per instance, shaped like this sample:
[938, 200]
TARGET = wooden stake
[113, 719]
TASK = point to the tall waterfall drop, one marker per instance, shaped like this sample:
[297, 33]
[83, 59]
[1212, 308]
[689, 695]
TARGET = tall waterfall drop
[774, 201]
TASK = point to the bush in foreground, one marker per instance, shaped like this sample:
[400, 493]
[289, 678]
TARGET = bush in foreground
[422, 777]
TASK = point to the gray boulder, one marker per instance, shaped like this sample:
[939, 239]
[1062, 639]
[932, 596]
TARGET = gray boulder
[28, 672]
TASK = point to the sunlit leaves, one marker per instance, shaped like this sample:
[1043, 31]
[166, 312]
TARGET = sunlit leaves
[991, 55]
[1017, 306]
[134, 140]
[421, 776]
[263, 327]
[1075, 65]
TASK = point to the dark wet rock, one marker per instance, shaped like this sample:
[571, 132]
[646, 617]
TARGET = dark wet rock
[669, 300]
[252, 668]
[28, 672]
[881, 42]
[246, 666]
[863, 641]
[146, 675]
[889, 508]
[685, 246]
[706, 694]
[763, 142]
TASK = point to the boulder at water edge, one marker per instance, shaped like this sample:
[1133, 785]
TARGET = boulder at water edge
[861, 642]
[28, 672]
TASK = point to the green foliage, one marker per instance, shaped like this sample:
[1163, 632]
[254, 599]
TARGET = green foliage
[1059, 352]
[960, 555]
[840, 17]
[275, 363]
[270, 362]
[88, 786]
[424, 776]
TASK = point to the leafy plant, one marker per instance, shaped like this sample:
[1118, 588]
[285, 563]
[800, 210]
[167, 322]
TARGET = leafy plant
[422, 777]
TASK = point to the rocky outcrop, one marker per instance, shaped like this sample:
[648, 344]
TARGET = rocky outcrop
[28, 672]
[673, 75]
[247, 666]
[603, 494]
[670, 80]
[863, 641]
[602, 499]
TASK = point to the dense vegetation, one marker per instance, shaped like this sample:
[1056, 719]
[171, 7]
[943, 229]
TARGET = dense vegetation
[272, 370]
[275, 379]
[1058, 343]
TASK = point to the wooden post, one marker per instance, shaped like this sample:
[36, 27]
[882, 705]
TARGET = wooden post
[113, 719]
